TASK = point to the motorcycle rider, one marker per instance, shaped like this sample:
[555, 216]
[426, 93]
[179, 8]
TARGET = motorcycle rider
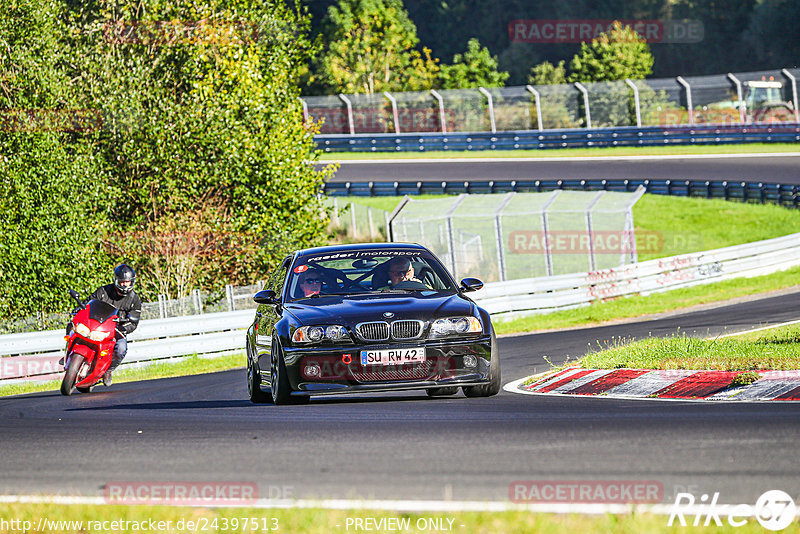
[120, 294]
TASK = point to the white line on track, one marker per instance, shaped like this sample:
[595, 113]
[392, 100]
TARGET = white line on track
[385, 505]
[656, 157]
[768, 327]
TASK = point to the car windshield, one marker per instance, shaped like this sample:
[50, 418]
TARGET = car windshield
[368, 271]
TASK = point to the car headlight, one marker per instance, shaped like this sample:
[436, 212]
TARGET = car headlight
[316, 334]
[99, 335]
[456, 325]
[83, 330]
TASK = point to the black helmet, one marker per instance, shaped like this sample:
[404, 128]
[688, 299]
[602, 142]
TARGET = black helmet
[124, 279]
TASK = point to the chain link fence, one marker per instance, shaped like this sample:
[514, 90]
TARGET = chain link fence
[768, 96]
[523, 235]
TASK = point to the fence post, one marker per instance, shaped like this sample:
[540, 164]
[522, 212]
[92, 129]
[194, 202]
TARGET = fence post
[548, 257]
[229, 296]
[349, 113]
[490, 101]
[353, 220]
[305, 110]
[439, 99]
[688, 88]
[162, 306]
[369, 220]
[498, 229]
[536, 99]
[395, 115]
[636, 103]
[793, 81]
[198, 305]
[742, 114]
[585, 92]
[590, 231]
[450, 233]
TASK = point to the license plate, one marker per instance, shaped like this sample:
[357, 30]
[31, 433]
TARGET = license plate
[392, 356]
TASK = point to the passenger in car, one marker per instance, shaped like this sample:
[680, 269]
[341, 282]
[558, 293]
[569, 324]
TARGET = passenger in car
[401, 274]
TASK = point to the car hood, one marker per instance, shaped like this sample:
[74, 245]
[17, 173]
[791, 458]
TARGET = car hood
[354, 309]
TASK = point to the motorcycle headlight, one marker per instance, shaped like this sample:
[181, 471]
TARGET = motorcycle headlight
[99, 335]
[456, 325]
[316, 334]
[83, 330]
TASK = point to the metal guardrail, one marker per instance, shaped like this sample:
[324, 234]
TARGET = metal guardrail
[35, 355]
[541, 295]
[783, 194]
[565, 138]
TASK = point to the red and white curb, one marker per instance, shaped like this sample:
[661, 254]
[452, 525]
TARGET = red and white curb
[662, 384]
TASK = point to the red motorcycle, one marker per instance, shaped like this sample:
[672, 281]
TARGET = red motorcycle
[90, 345]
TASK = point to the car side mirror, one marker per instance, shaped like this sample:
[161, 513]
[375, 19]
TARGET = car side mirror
[266, 296]
[470, 284]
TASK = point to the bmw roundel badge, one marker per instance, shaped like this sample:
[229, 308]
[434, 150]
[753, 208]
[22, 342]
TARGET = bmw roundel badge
[388, 315]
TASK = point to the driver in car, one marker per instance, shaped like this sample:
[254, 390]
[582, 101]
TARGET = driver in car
[400, 271]
[310, 283]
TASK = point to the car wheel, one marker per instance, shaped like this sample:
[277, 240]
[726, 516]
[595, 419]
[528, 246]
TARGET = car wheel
[71, 375]
[493, 387]
[257, 395]
[442, 392]
[279, 379]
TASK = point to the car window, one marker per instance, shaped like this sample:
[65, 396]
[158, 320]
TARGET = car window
[367, 271]
[278, 278]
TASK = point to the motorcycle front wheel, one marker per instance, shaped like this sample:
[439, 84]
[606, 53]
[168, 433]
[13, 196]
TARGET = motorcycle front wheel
[71, 374]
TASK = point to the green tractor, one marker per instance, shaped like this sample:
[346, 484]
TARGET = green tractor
[763, 102]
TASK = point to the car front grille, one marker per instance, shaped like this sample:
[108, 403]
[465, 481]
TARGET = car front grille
[385, 374]
[406, 329]
[377, 331]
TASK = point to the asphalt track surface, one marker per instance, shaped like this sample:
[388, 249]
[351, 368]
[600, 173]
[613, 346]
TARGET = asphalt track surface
[772, 169]
[404, 445]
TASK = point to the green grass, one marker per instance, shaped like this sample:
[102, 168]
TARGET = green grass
[193, 365]
[322, 521]
[637, 306]
[776, 349]
[570, 152]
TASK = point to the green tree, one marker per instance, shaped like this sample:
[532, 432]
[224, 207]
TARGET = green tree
[546, 73]
[615, 55]
[476, 67]
[370, 48]
[53, 188]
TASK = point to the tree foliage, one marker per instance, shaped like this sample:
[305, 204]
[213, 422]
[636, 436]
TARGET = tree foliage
[201, 136]
[614, 55]
[474, 68]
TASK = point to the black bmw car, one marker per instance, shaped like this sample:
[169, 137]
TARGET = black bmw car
[368, 317]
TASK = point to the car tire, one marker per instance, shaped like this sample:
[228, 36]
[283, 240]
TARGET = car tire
[71, 375]
[280, 388]
[84, 390]
[493, 387]
[257, 395]
[442, 392]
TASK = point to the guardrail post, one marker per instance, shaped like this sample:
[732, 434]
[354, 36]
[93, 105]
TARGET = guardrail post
[535, 94]
[742, 111]
[688, 88]
[498, 229]
[349, 113]
[439, 99]
[490, 101]
[305, 110]
[793, 81]
[636, 104]
[395, 115]
[585, 92]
